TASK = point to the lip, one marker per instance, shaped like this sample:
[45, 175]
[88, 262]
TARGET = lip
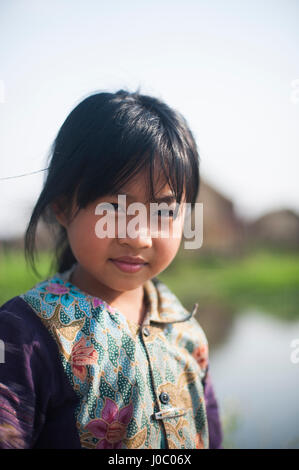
[129, 264]
[130, 259]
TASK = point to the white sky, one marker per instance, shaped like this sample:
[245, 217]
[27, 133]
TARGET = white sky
[226, 65]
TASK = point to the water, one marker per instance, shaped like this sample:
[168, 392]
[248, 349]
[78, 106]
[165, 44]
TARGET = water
[256, 384]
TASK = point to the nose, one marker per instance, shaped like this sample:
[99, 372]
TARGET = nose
[137, 238]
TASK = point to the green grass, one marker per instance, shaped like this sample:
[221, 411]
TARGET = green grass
[267, 280]
[15, 277]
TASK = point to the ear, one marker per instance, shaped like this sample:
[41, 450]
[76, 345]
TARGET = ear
[59, 213]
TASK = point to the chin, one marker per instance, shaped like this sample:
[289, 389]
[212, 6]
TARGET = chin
[128, 284]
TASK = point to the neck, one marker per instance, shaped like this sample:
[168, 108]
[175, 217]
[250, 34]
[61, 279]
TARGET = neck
[130, 303]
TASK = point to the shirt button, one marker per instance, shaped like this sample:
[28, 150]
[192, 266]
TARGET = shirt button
[164, 398]
[146, 331]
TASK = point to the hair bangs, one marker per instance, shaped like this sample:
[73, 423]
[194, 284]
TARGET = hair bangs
[106, 141]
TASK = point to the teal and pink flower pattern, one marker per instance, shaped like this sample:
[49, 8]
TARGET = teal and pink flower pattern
[118, 373]
[111, 428]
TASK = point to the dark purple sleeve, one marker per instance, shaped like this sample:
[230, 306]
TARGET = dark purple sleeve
[36, 400]
[214, 424]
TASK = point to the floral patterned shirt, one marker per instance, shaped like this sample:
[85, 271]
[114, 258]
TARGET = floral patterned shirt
[78, 374]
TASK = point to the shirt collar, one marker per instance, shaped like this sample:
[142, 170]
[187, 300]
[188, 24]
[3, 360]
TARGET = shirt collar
[163, 305]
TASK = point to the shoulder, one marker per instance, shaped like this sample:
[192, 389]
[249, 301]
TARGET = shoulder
[30, 349]
[17, 316]
[192, 337]
[24, 336]
[182, 329]
[182, 321]
[57, 293]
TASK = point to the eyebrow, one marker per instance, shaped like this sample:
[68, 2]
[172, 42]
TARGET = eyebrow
[168, 198]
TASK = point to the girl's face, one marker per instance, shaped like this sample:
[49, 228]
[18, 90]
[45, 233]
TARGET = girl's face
[97, 257]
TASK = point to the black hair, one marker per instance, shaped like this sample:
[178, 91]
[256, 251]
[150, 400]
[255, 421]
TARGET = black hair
[105, 140]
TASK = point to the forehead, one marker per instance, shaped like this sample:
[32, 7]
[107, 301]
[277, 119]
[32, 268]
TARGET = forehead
[139, 187]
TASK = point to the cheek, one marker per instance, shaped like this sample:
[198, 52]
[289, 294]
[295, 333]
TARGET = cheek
[82, 237]
[166, 249]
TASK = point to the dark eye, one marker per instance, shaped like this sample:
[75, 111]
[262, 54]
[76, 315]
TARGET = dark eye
[117, 207]
[165, 213]
[107, 207]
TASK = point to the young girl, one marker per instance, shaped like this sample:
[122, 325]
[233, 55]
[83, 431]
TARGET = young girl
[102, 355]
